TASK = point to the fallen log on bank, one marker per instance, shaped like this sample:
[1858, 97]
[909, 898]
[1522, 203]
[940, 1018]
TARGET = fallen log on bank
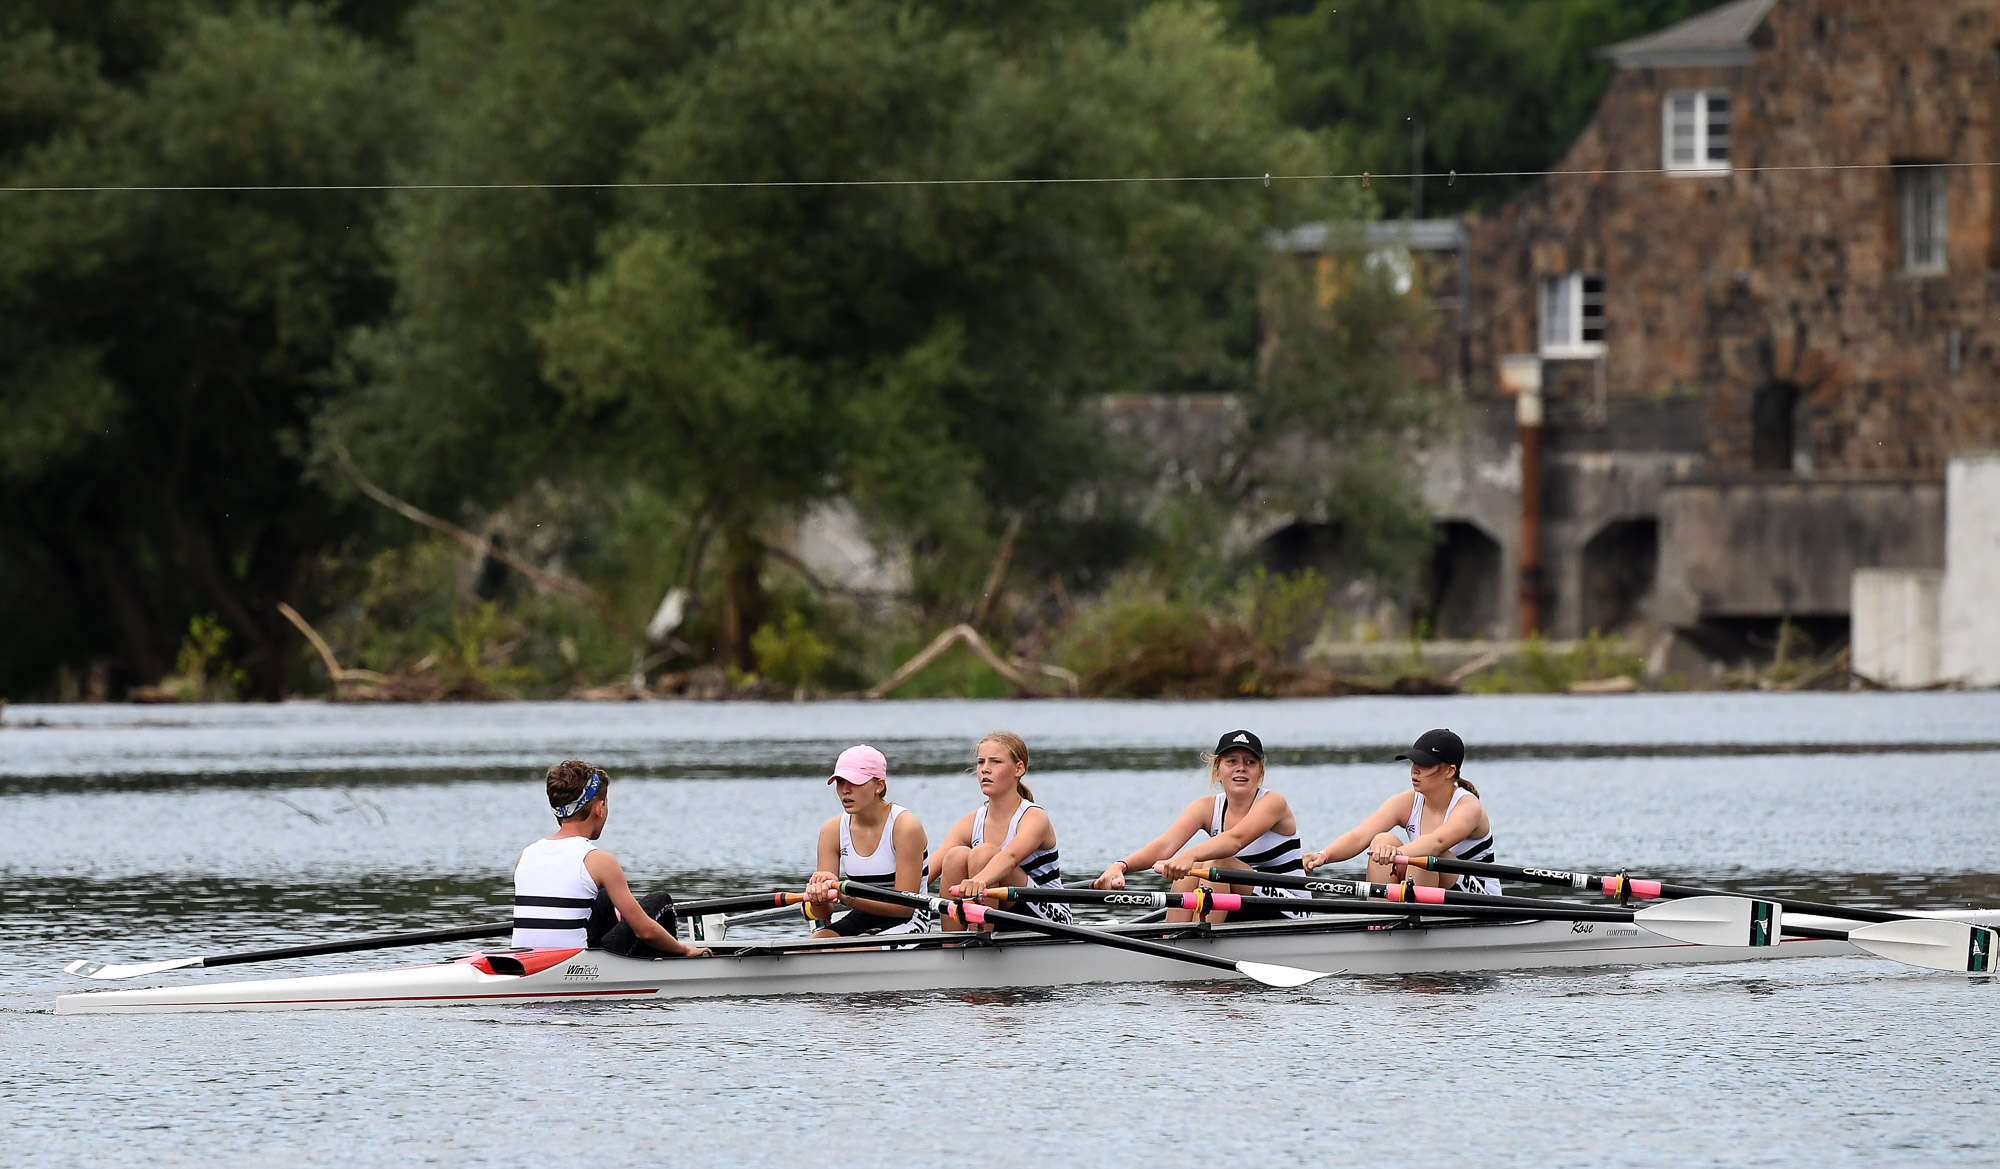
[966, 634]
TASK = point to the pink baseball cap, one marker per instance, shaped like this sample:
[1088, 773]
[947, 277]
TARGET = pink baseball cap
[859, 764]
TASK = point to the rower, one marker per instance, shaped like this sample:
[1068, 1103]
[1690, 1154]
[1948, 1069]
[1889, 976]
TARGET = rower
[1439, 816]
[871, 841]
[1248, 827]
[969, 862]
[570, 893]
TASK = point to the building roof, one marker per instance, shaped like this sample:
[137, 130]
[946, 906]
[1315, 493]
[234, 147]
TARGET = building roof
[1720, 36]
[1418, 235]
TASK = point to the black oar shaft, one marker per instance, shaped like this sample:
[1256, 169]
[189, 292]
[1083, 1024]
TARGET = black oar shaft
[355, 945]
[468, 932]
[1402, 893]
[1553, 910]
[1042, 925]
[1611, 884]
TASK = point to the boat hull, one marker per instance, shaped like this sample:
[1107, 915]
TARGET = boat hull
[1021, 961]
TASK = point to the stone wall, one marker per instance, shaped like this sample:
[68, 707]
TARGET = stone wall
[1719, 286]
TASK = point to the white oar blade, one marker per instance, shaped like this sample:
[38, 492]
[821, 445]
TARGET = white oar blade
[1932, 943]
[1286, 976]
[105, 970]
[1715, 921]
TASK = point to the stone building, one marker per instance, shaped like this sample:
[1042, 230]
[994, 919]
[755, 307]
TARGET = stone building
[1760, 300]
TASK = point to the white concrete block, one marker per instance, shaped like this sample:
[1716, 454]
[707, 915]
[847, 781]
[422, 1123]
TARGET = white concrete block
[1895, 624]
[1969, 613]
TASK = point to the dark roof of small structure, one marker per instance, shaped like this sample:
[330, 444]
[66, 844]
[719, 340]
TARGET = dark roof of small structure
[1720, 36]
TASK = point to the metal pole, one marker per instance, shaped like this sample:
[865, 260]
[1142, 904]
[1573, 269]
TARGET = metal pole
[1528, 414]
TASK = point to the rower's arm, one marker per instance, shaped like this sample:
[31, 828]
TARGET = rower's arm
[1036, 832]
[1262, 817]
[825, 880]
[1460, 825]
[1162, 846]
[1392, 814]
[910, 843]
[610, 876]
[960, 836]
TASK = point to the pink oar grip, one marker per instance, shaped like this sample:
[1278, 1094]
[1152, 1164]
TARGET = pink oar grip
[1644, 889]
[1226, 901]
[1428, 895]
[972, 912]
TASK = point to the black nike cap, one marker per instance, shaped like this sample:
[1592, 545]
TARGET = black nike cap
[1240, 741]
[1435, 747]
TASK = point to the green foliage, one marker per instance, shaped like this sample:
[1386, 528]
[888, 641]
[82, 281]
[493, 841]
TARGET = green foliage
[161, 352]
[1499, 85]
[1136, 642]
[1541, 669]
[790, 653]
[201, 673]
[1283, 613]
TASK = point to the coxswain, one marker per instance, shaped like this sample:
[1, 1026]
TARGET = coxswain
[872, 841]
[1439, 816]
[1007, 841]
[1248, 827]
[570, 893]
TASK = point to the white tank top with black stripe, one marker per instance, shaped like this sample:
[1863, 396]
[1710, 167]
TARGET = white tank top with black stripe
[1472, 848]
[1043, 867]
[878, 867]
[1273, 852]
[553, 893]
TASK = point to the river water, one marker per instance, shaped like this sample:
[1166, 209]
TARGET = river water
[136, 833]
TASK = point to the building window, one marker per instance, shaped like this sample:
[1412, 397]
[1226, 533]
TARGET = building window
[1572, 315]
[1696, 137]
[1923, 211]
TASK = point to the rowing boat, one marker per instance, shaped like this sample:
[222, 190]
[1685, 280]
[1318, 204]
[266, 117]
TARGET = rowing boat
[938, 961]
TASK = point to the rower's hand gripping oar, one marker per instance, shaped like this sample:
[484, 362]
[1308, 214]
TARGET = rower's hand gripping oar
[106, 971]
[972, 911]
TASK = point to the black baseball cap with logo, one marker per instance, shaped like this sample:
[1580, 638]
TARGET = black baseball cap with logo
[1435, 747]
[1240, 741]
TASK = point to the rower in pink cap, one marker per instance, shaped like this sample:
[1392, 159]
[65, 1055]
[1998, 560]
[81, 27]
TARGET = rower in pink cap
[872, 841]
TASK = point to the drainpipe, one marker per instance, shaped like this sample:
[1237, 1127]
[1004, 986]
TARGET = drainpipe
[1528, 415]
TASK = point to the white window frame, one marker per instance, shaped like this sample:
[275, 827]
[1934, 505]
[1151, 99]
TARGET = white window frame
[1923, 215]
[1704, 130]
[1564, 316]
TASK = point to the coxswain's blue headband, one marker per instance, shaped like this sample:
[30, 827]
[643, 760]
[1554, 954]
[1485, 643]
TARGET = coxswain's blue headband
[590, 790]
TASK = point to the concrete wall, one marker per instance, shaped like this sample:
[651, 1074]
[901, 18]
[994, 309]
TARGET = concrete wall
[1766, 546]
[1895, 630]
[1969, 632]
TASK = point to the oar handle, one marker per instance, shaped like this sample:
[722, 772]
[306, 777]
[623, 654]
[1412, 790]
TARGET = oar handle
[979, 914]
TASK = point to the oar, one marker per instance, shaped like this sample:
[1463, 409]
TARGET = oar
[978, 914]
[1204, 900]
[1408, 891]
[1621, 886]
[1704, 921]
[109, 971]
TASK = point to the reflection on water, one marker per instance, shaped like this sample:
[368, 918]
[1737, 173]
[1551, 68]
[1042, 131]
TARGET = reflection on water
[218, 829]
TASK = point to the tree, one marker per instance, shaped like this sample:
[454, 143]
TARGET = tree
[162, 350]
[926, 351]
